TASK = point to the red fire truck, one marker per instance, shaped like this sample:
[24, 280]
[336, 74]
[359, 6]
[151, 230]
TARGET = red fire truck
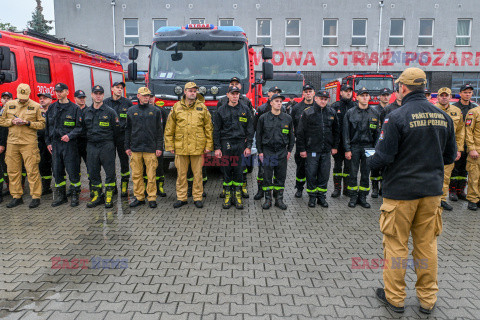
[42, 61]
[290, 83]
[206, 54]
[374, 82]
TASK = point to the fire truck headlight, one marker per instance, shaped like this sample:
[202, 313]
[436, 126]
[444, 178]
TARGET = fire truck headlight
[202, 90]
[214, 90]
[178, 90]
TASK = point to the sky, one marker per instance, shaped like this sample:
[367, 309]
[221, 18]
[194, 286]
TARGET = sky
[18, 12]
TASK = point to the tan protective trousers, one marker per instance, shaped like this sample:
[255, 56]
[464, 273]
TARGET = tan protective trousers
[446, 179]
[136, 162]
[181, 163]
[29, 155]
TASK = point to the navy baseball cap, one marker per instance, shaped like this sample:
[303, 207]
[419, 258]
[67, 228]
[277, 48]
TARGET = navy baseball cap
[362, 91]
[118, 83]
[273, 89]
[308, 87]
[235, 79]
[79, 94]
[98, 88]
[277, 95]
[466, 86]
[8, 94]
[385, 91]
[61, 86]
[45, 94]
[346, 87]
[322, 93]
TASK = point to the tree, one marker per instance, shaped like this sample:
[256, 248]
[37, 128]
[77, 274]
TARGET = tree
[38, 22]
[7, 26]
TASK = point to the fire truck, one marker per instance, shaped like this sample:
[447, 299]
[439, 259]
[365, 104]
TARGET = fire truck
[291, 85]
[43, 60]
[374, 82]
[206, 54]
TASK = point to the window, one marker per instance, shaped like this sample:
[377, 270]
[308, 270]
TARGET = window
[264, 32]
[330, 32]
[226, 22]
[464, 28]
[197, 21]
[292, 32]
[396, 32]
[131, 32]
[158, 23]
[425, 36]
[42, 70]
[359, 32]
[461, 78]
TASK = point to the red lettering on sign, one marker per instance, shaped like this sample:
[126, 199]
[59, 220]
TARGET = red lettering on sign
[477, 59]
[309, 59]
[373, 58]
[345, 56]
[410, 57]
[467, 58]
[294, 56]
[278, 58]
[386, 58]
[358, 58]
[452, 58]
[333, 58]
[257, 58]
[421, 58]
[436, 61]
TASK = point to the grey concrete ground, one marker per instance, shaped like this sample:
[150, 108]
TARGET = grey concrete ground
[212, 263]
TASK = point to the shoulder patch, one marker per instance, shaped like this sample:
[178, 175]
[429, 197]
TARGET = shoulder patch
[468, 122]
[199, 108]
[30, 108]
[11, 107]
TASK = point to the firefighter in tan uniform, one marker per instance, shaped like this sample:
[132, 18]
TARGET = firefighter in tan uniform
[444, 95]
[416, 142]
[189, 135]
[23, 117]
[472, 139]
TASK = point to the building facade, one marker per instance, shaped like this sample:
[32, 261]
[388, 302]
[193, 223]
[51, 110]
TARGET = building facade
[323, 39]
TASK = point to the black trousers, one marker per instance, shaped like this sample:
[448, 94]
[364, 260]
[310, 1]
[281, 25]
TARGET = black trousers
[274, 170]
[45, 164]
[3, 168]
[459, 171]
[65, 158]
[122, 156]
[82, 149]
[341, 166]
[301, 172]
[359, 161]
[232, 159]
[376, 175]
[101, 155]
[317, 167]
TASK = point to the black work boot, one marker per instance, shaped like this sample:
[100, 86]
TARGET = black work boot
[337, 183]
[461, 184]
[74, 201]
[312, 200]
[227, 200]
[362, 199]
[321, 199]
[346, 192]
[90, 189]
[353, 199]
[446, 206]
[452, 190]
[60, 196]
[15, 202]
[268, 200]
[189, 190]
[299, 186]
[160, 190]
[279, 200]
[97, 199]
[238, 198]
[109, 196]
[124, 187]
[260, 192]
[69, 191]
[245, 191]
[46, 186]
[472, 206]
[374, 188]
[35, 203]
[380, 294]
[204, 194]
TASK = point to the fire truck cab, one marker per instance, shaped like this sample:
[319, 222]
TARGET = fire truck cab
[290, 83]
[374, 82]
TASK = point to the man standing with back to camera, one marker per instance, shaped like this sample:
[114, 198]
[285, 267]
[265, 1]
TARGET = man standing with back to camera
[418, 139]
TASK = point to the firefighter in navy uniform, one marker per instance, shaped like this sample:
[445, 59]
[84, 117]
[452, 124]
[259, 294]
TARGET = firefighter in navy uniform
[233, 138]
[80, 98]
[417, 141]
[361, 129]
[341, 167]
[318, 138]
[45, 165]
[264, 108]
[120, 104]
[64, 125]
[275, 141]
[296, 113]
[458, 181]
[101, 125]
[376, 175]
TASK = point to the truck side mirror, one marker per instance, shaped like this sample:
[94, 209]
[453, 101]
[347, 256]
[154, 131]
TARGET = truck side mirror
[132, 71]
[133, 54]
[4, 58]
[267, 71]
[267, 53]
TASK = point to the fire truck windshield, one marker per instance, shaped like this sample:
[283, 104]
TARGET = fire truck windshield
[190, 60]
[288, 87]
[374, 84]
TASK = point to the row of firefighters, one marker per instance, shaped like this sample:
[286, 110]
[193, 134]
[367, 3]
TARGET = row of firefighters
[51, 138]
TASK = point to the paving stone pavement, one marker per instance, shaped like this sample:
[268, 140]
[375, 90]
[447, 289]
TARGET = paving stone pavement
[218, 264]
